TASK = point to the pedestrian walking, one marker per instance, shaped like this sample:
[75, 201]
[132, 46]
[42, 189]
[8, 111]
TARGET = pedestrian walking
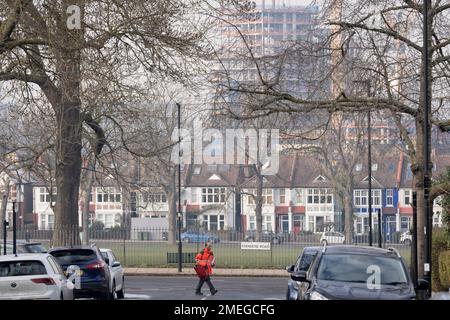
[205, 261]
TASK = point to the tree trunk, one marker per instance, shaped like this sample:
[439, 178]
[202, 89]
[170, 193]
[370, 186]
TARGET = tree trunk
[85, 194]
[348, 217]
[5, 196]
[68, 139]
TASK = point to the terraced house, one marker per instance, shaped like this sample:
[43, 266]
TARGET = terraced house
[300, 197]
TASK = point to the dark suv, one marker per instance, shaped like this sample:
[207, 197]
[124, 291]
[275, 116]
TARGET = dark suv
[93, 271]
[357, 273]
[295, 288]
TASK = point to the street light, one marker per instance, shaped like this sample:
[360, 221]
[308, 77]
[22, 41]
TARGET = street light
[426, 137]
[369, 159]
[179, 213]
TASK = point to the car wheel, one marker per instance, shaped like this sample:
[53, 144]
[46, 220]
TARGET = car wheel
[288, 294]
[276, 240]
[324, 242]
[121, 293]
[407, 242]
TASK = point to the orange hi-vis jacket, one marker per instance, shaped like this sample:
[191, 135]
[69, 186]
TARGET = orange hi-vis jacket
[205, 258]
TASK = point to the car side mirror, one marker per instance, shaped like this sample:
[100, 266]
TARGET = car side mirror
[116, 264]
[423, 285]
[299, 276]
[107, 261]
[290, 269]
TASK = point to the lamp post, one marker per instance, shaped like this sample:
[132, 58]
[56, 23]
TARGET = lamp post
[426, 148]
[369, 159]
[179, 213]
[369, 164]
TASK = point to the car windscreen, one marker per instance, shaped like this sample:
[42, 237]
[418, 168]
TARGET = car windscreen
[305, 261]
[74, 256]
[358, 268]
[21, 268]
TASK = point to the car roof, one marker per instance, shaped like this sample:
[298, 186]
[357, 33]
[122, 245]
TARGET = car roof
[359, 250]
[311, 249]
[24, 256]
[71, 248]
[22, 242]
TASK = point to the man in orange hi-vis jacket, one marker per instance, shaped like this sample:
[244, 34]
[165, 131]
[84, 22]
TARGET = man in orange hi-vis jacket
[204, 262]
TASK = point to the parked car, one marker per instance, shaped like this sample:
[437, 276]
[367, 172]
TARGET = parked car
[196, 237]
[23, 247]
[95, 277]
[303, 263]
[266, 236]
[344, 273]
[33, 277]
[406, 238]
[332, 237]
[117, 274]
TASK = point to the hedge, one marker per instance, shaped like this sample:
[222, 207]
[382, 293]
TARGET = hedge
[439, 246]
[444, 269]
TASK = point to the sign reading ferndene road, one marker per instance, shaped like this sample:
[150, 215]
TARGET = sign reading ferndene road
[255, 245]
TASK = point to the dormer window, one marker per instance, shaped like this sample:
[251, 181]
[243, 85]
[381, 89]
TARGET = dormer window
[320, 178]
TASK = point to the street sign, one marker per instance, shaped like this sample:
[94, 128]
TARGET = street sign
[255, 245]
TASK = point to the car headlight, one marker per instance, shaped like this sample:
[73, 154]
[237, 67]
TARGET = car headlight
[317, 296]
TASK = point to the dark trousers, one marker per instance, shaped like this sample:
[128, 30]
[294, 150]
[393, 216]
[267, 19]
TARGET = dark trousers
[202, 281]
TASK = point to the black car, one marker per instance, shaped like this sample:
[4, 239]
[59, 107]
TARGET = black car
[357, 273]
[23, 247]
[93, 271]
[303, 263]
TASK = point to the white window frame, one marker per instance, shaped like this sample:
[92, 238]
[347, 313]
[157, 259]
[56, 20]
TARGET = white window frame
[389, 195]
[319, 196]
[300, 196]
[407, 194]
[214, 195]
[267, 223]
[267, 196]
[44, 195]
[361, 199]
[282, 196]
[111, 192]
[251, 223]
[194, 195]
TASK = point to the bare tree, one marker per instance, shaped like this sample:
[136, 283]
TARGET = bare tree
[383, 41]
[61, 48]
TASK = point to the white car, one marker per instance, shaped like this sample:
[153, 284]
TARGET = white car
[332, 237]
[33, 277]
[406, 238]
[117, 274]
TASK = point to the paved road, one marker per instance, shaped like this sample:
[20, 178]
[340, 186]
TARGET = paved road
[182, 288]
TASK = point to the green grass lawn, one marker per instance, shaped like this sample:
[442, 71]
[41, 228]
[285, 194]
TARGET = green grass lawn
[228, 255]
